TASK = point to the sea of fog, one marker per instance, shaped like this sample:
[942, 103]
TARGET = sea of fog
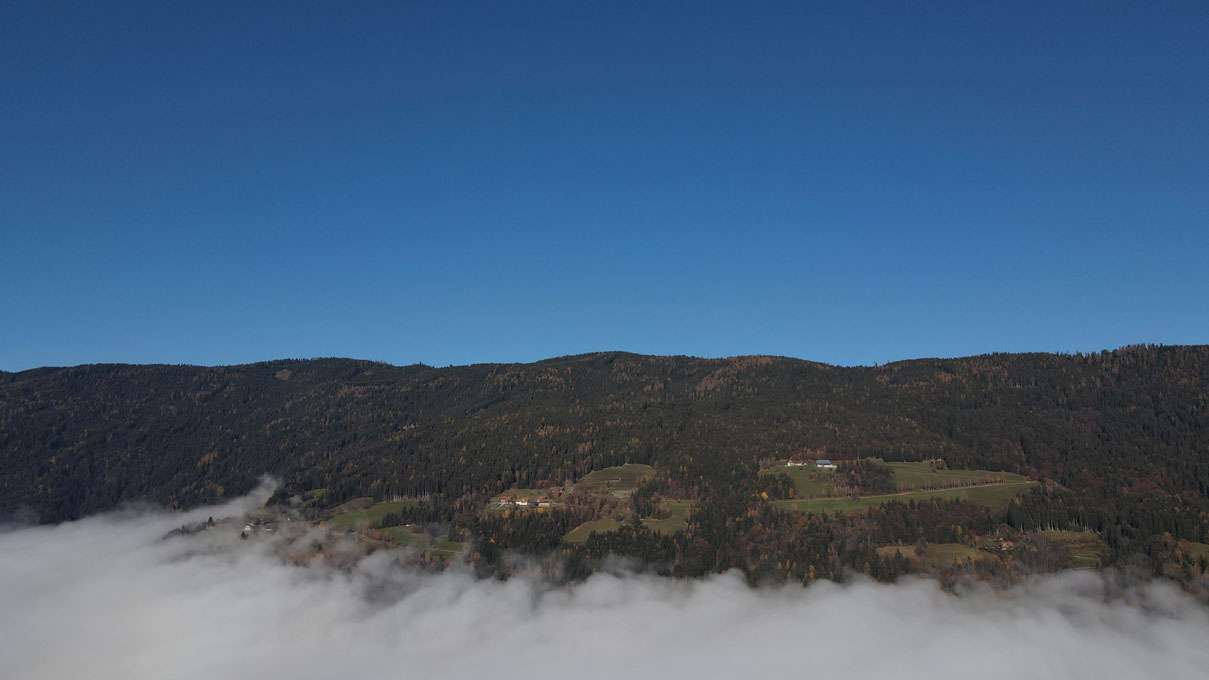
[109, 598]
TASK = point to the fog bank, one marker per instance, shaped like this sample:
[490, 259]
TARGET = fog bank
[108, 597]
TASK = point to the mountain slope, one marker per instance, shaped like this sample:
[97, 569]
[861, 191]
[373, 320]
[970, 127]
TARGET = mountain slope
[79, 440]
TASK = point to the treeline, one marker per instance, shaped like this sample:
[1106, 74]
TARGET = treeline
[1128, 524]
[867, 475]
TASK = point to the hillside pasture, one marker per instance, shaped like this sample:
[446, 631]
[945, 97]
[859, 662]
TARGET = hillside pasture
[938, 555]
[358, 515]
[1085, 547]
[403, 535]
[677, 517]
[922, 475]
[1196, 550]
[412, 536]
[988, 495]
[810, 482]
[618, 481]
[581, 533]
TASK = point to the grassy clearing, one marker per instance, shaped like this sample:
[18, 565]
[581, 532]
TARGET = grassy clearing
[405, 535]
[889, 550]
[316, 497]
[677, 517]
[414, 537]
[991, 496]
[619, 481]
[912, 476]
[359, 516]
[811, 482]
[945, 554]
[1086, 548]
[1196, 550]
[445, 546]
[938, 554]
[580, 533]
[354, 504]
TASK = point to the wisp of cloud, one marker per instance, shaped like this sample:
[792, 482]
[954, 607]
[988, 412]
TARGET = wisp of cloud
[109, 597]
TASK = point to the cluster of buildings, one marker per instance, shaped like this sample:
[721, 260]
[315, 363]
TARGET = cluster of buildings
[818, 463]
[256, 526]
[523, 502]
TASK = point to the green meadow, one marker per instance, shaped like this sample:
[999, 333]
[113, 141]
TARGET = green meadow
[358, 515]
[619, 480]
[995, 495]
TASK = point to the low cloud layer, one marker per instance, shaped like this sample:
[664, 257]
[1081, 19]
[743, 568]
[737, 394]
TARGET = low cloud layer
[107, 598]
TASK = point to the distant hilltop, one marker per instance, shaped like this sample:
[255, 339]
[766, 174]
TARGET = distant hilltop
[620, 354]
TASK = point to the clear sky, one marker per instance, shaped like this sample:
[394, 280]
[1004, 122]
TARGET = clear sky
[450, 183]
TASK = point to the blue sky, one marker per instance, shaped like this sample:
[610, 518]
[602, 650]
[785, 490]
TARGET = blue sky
[447, 183]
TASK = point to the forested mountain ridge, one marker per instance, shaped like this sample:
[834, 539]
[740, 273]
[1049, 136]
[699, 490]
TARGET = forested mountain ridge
[84, 439]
